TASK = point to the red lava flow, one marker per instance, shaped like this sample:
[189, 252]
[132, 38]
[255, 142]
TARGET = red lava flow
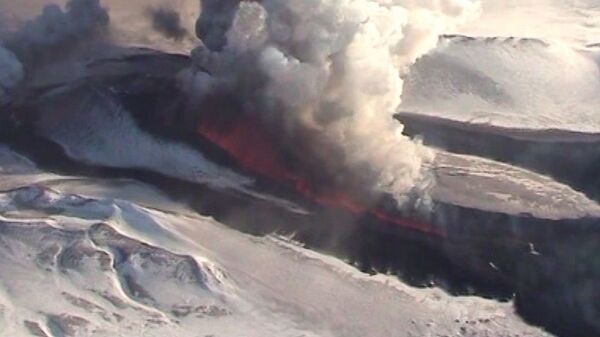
[253, 150]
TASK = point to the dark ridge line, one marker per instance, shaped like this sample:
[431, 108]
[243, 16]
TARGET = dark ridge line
[571, 158]
[492, 39]
[540, 135]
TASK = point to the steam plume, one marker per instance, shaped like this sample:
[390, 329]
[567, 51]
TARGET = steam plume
[324, 77]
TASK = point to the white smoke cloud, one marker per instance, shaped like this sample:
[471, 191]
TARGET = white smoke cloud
[333, 67]
[11, 73]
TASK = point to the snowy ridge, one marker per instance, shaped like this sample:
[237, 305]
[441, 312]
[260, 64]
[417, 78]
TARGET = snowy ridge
[101, 278]
[509, 82]
[104, 283]
[110, 275]
[513, 190]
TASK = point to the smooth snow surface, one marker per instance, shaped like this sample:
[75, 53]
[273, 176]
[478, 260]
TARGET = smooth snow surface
[508, 82]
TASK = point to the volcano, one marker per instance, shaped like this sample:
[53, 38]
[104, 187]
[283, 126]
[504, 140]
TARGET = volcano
[287, 168]
[252, 148]
[227, 166]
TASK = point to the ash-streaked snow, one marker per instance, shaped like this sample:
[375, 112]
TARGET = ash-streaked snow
[121, 260]
[97, 126]
[479, 183]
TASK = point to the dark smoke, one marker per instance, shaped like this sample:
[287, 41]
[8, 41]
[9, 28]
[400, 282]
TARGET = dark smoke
[214, 22]
[168, 22]
[11, 73]
[56, 32]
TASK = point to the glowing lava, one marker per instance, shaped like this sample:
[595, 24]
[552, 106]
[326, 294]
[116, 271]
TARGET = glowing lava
[247, 143]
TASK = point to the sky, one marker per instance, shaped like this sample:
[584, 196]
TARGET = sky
[572, 21]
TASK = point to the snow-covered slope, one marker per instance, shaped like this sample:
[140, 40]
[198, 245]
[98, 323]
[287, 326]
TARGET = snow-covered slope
[520, 64]
[93, 128]
[484, 184]
[120, 259]
[509, 82]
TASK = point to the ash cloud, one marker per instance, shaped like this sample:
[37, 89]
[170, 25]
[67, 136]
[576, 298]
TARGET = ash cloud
[55, 32]
[167, 21]
[214, 22]
[324, 77]
[11, 73]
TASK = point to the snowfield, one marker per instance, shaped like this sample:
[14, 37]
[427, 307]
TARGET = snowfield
[92, 257]
[509, 82]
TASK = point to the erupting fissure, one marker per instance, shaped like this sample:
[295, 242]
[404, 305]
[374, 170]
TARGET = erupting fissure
[252, 149]
[324, 78]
